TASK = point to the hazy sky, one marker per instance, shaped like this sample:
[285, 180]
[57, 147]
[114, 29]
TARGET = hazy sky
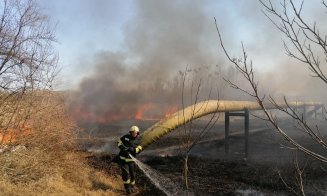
[124, 58]
[83, 28]
[86, 28]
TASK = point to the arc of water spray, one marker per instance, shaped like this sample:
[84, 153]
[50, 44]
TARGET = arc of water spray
[166, 185]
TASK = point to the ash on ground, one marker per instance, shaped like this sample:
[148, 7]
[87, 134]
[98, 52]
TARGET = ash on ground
[270, 167]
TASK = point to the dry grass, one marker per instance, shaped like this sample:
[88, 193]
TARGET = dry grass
[71, 177]
[46, 161]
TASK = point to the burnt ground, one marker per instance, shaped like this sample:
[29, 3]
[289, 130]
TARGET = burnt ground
[215, 177]
[269, 169]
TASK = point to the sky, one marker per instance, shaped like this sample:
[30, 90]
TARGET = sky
[85, 27]
[125, 56]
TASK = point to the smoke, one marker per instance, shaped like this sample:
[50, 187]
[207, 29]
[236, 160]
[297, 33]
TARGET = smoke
[294, 81]
[277, 74]
[163, 41]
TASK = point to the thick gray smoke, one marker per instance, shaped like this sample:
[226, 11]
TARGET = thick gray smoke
[163, 39]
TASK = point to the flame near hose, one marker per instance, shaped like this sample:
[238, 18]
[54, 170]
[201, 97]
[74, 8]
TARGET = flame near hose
[203, 108]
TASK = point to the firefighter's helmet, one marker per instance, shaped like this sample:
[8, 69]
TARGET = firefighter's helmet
[134, 129]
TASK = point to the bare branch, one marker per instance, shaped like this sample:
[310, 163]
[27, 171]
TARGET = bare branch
[247, 71]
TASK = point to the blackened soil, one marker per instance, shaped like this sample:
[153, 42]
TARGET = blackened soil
[220, 177]
[272, 167]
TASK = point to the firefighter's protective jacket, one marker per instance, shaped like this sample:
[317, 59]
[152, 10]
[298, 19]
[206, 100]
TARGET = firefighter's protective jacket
[127, 146]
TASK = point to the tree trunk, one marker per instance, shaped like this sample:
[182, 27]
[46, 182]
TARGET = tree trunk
[185, 172]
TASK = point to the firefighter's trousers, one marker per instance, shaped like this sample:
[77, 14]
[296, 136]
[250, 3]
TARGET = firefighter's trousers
[128, 174]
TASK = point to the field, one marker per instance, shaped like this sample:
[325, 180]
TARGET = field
[269, 169]
[58, 157]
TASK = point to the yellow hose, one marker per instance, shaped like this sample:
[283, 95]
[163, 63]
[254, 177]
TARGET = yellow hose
[200, 109]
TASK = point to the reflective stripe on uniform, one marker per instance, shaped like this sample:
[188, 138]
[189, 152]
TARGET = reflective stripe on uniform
[138, 149]
[126, 159]
[128, 181]
[120, 143]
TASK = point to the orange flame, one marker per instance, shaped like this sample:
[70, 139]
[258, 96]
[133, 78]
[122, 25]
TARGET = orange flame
[11, 134]
[170, 111]
[146, 111]
[142, 109]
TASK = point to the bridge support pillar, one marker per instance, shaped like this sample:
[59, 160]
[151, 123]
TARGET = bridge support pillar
[246, 131]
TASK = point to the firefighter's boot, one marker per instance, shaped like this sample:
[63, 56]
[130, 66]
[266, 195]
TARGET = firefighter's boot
[128, 188]
[132, 184]
[132, 188]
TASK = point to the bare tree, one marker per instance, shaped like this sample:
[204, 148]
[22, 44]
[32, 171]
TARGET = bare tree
[298, 181]
[27, 58]
[305, 43]
[190, 136]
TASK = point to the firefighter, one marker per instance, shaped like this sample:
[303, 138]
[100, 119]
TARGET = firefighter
[127, 165]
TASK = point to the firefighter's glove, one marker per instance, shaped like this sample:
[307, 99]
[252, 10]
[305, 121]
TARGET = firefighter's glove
[138, 149]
